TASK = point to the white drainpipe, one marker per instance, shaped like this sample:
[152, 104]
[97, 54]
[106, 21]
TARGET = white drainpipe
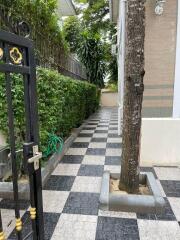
[121, 63]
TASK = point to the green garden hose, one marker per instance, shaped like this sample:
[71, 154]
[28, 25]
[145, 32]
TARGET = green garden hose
[55, 145]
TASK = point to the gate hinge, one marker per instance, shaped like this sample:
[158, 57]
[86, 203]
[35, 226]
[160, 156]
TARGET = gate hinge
[36, 157]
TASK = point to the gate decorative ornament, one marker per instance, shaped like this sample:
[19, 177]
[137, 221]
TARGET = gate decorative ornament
[17, 56]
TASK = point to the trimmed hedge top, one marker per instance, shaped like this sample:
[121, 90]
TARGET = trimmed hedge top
[63, 103]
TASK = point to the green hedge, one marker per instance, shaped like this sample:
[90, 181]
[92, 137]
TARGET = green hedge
[63, 104]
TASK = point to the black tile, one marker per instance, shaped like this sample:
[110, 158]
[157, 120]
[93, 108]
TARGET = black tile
[91, 123]
[149, 169]
[117, 229]
[89, 128]
[114, 123]
[9, 204]
[168, 214]
[113, 128]
[96, 151]
[85, 135]
[113, 135]
[101, 131]
[50, 221]
[72, 159]
[99, 140]
[91, 170]
[59, 183]
[82, 203]
[113, 145]
[110, 160]
[101, 125]
[80, 145]
[171, 188]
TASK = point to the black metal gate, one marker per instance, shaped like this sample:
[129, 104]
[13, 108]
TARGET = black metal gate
[17, 56]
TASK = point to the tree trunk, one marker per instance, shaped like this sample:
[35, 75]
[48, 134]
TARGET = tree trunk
[133, 96]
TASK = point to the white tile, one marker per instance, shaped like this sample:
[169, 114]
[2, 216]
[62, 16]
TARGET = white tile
[165, 173]
[117, 214]
[93, 160]
[114, 140]
[112, 168]
[66, 169]
[76, 151]
[113, 131]
[82, 139]
[175, 205]
[75, 227]
[54, 201]
[113, 151]
[100, 135]
[158, 230]
[86, 184]
[97, 145]
[87, 131]
[8, 219]
[102, 128]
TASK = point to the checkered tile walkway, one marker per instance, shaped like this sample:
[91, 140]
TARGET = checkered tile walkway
[72, 192]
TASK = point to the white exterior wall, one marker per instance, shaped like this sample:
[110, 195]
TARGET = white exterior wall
[160, 142]
[176, 102]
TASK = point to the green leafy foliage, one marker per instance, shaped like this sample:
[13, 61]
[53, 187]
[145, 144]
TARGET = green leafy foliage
[63, 104]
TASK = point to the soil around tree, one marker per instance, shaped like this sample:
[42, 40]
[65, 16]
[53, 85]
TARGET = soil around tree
[114, 188]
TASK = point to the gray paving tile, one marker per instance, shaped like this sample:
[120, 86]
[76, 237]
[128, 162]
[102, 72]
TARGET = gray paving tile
[91, 170]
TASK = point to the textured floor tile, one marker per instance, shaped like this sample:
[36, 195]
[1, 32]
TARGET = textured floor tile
[66, 169]
[87, 131]
[175, 205]
[82, 203]
[114, 140]
[171, 188]
[100, 135]
[93, 160]
[114, 145]
[113, 135]
[59, 183]
[82, 139]
[113, 151]
[8, 220]
[112, 160]
[99, 140]
[103, 125]
[158, 230]
[89, 127]
[112, 168]
[102, 128]
[9, 204]
[76, 151]
[165, 173]
[79, 145]
[117, 214]
[91, 170]
[50, 221]
[87, 184]
[96, 151]
[75, 227]
[101, 131]
[54, 201]
[72, 159]
[97, 145]
[113, 128]
[117, 229]
[168, 214]
[112, 131]
[86, 135]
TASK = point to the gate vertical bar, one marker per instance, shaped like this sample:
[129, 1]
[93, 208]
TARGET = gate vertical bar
[13, 154]
[35, 139]
[2, 236]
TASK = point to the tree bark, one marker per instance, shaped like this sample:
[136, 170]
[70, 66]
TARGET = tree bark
[133, 95]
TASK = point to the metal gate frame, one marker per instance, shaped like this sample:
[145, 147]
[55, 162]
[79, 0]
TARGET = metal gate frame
[17, 56]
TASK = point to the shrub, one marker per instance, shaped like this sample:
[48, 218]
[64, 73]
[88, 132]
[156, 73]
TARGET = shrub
[63, 104]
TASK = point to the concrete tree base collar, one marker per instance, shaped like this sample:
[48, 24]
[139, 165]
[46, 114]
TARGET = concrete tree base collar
[153, 203]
